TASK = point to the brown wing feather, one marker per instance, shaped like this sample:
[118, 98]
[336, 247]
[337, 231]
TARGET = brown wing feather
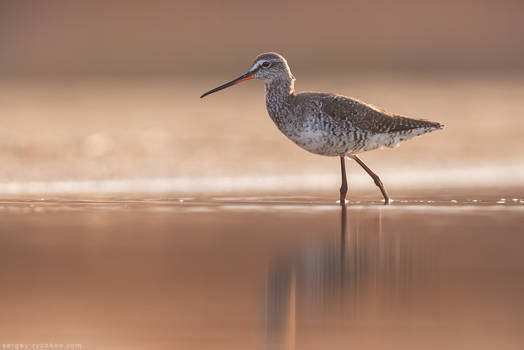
[368, 118]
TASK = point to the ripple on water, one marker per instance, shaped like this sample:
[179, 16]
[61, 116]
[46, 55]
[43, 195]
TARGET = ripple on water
[252, 203]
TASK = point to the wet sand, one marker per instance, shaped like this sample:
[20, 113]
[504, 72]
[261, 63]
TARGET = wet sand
[431, 271]
[89, 129]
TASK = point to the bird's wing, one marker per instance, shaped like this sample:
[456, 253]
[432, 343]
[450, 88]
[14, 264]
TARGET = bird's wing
[368, 118]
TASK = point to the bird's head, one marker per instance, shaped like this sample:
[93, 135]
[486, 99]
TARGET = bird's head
[267, 67]
[270, 66]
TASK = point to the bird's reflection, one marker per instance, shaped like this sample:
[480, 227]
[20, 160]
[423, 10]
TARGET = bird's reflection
[360, 269]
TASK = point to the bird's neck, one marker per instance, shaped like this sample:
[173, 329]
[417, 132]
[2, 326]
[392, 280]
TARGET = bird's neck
[277, 98]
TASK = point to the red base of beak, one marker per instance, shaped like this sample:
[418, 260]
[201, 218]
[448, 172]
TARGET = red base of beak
[244, 79]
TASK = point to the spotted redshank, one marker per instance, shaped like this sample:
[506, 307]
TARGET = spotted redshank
[328, 124]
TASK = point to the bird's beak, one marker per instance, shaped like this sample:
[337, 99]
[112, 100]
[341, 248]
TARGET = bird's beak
[248, 76]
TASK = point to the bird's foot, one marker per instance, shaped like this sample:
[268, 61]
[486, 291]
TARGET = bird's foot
[387, 201]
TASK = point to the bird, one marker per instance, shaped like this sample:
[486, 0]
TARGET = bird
[328, 124]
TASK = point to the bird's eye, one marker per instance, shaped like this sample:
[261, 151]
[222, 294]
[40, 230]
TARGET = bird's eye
[266, 64]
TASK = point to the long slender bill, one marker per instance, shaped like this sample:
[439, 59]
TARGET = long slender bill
[247, 76]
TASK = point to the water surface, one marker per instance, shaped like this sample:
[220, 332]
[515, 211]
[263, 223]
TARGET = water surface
[263, 272]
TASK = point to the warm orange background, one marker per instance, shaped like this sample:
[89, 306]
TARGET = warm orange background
[113, 36]
[93, 90]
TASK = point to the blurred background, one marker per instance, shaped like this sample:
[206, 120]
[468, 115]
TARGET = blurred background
[214, 231]
[109, 91]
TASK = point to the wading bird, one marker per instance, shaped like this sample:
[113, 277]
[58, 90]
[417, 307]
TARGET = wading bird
[328, 124]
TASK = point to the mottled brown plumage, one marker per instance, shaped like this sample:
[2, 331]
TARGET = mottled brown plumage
[328, 124]
[368, 118]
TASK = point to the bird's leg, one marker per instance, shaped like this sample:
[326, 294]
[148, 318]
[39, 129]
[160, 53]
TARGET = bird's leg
[374, 177]
[344, 187]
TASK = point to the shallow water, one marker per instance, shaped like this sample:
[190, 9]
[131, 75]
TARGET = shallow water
[134, 215]
[439, 271]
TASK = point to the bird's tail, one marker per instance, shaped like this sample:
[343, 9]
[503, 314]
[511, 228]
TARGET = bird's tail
[406, 128]
[405, 124]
